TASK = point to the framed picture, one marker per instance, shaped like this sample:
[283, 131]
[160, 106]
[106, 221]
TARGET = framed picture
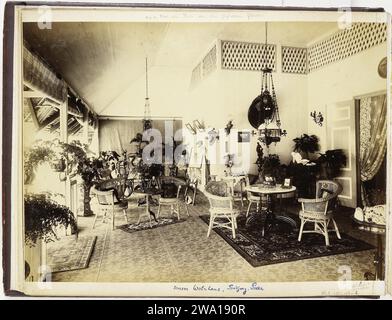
[287, 183]
[243, 136]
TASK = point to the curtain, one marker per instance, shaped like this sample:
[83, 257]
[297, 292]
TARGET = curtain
[115, 135]
[373, 142]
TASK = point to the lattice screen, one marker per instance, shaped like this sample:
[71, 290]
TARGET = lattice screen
[346, 43]
[196, 75]
[294, 60]
[209, 62]
[205, 67]
[247, 55]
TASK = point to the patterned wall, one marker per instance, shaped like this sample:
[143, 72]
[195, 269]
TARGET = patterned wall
[247, 55]
[206, 66]
[235, 55]
[294, 60]
[345, 43]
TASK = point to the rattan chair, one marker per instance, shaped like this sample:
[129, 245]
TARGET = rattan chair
[222, 212]
[320, 210]
[108, 205]
[253, 198]
[174, 201]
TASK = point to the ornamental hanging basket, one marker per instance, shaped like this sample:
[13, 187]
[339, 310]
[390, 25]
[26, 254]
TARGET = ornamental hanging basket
[58, 165]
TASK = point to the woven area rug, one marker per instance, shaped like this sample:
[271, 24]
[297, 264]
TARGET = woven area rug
[144, 225]
[70, 254]
[280, 245]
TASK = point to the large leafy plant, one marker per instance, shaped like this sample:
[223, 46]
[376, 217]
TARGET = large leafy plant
[38, 154]
[87, 167]
[306, 144]
[43, 216]
[332, 161]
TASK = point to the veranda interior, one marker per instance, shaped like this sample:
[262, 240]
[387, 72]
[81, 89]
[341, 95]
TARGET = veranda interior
[88, 82]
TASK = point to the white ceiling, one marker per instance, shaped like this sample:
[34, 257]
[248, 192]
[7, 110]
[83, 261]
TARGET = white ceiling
[102, 61]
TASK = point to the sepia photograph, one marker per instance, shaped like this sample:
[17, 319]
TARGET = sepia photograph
[162, 151]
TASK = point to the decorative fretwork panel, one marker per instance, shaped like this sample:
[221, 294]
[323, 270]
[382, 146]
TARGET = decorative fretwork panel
[196, 75]
[294, 60]
[345, 43]
[247, 55]
[209, 62]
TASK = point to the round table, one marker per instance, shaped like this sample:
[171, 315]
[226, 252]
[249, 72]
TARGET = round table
[269, 213]
[379, 230]
[147, 195]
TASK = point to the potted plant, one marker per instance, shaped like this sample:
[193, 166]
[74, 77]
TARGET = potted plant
[331, 163]
[88, 168]
[40, 153]
[306, 144]
[43, 216]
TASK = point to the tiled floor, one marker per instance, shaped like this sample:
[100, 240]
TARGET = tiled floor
[182, 253]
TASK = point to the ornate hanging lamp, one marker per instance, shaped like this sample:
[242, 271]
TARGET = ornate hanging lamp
[263, 113]
[147, 122]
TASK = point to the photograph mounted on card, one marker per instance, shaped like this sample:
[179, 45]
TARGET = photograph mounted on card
[155, 85]
[243, 136]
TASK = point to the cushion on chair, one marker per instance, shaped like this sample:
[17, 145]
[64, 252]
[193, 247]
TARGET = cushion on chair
[325, 192]
[315, 215]
[168, 200]
[169, 190]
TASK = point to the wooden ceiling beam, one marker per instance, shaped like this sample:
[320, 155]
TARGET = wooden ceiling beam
[33, 114]
[33, 94]
[49, 120]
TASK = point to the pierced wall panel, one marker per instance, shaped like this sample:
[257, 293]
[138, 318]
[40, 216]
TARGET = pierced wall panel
[196, 75]
[247, 55]
[294, 60]
[345, 43]
[209, 62]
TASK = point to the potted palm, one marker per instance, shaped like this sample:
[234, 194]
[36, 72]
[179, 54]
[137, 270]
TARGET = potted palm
[87, 168]
[306, 144]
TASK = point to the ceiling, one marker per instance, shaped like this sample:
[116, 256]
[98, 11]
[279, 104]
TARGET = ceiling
[101, 61]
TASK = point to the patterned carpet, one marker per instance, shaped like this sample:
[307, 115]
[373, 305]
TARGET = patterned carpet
[282, 245]
[70, 254]
[145, 225]
[182, 252]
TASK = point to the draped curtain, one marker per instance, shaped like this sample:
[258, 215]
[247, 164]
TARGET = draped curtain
[373, 142]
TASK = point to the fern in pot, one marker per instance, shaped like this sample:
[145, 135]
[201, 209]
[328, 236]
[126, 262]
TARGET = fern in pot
[306, 144]
[43, 216]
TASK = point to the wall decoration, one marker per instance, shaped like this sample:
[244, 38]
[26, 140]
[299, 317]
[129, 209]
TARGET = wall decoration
[345, 43]
[228, 127]
[248, 56]
[243, 136]
[317, 118]
[294, 60]
[382, 68]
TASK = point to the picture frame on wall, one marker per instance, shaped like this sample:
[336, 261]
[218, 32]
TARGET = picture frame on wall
[243, 136]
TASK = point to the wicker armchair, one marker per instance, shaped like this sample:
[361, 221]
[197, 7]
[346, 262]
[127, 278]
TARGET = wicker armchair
[172, 199]
[108, 205]
[221, 207]
[320, 210]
